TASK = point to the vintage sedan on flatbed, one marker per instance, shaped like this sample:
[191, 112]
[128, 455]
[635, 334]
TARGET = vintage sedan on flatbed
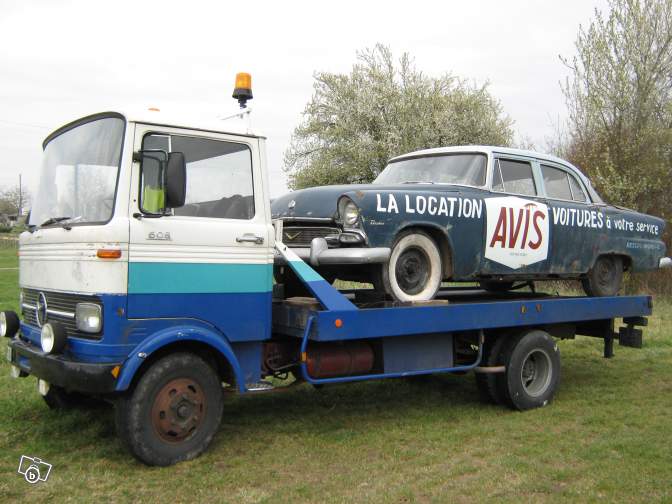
[487, 214]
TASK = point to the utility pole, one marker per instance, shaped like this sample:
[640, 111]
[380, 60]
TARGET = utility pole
[20, 209]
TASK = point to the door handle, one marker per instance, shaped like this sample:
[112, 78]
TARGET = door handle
[251, 238]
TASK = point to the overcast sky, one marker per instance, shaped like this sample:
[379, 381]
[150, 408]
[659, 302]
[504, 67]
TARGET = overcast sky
[60, 60]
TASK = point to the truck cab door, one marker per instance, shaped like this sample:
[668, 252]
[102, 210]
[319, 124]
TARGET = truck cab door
[211, 259]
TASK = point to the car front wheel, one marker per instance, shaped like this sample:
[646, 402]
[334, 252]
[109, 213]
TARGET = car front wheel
[415, 270]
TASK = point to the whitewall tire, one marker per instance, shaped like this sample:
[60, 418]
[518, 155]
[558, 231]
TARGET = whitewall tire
[415, 269]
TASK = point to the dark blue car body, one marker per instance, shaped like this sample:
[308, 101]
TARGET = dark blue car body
[482, 232]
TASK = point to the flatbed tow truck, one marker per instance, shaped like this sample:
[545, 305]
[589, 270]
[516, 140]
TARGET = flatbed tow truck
[144, 287]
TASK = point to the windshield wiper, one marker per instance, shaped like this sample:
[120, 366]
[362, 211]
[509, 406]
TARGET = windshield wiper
[54, 220]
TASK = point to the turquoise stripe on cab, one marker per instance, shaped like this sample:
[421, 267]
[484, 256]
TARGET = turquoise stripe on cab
[175, 278]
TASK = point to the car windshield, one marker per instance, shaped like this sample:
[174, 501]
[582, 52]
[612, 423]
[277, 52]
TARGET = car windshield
[79, 174]
[461, 169]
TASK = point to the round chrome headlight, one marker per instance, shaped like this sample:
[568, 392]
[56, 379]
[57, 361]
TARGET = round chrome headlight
[349, 212]
[3, 324]
[47, 338]
[53, 338]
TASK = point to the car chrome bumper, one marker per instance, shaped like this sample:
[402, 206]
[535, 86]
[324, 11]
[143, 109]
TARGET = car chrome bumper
[320, 255]
[665, 262]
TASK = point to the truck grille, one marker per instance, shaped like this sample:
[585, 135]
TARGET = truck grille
[301, 236]
[61, 302]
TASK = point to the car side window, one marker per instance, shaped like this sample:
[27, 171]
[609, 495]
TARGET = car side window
[578, 194]
[219, 177]
[513, 177]
[556, 182]
[561, 184]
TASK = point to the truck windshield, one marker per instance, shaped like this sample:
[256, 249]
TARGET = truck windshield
[461, 169]
[79, 174]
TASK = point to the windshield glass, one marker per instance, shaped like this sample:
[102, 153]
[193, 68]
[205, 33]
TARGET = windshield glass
[79, 174]
[462, 169]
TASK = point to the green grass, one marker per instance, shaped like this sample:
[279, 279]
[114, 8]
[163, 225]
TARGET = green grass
[605, 438]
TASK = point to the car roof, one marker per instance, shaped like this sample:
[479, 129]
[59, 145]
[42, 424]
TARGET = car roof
[491, 149]
[485, 149]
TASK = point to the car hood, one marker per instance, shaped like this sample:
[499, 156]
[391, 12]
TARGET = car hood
[322, 202]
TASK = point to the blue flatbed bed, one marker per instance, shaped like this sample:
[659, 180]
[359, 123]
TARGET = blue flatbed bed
[464, 310]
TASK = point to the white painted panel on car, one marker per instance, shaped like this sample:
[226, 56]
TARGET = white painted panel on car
[517, 232]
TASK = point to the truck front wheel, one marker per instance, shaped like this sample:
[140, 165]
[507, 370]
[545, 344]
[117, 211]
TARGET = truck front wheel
[173, 412]
[532, 374]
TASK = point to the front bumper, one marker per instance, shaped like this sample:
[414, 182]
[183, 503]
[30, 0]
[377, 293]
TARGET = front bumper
[320, 255]
[58, 370]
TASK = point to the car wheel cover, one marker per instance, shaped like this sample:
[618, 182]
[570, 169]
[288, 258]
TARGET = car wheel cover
[428, 249]
[412, 270]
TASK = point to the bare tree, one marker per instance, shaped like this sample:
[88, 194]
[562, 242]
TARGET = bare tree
[619, 98]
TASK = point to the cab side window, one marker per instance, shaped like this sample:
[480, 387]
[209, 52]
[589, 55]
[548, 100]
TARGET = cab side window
[560, 184]
[219, 177]
[513, 177]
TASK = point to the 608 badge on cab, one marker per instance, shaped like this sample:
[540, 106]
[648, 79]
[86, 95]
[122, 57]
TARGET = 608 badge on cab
[159, 235]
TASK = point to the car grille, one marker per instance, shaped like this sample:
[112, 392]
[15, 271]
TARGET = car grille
[301, 236]
[62, 302]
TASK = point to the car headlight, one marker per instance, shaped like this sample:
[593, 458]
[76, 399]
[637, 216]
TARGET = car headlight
[53, 338]
[88, 317]
[349, 212]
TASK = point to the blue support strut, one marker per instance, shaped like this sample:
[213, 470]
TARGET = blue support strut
[342, 379]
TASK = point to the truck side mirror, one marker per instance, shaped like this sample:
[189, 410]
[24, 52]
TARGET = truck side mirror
[176, 180]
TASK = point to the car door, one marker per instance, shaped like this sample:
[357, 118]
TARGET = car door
[517, 220]
[576, 223]
[210, 259]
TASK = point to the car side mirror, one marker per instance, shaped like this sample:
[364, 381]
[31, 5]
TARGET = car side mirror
[176, 180]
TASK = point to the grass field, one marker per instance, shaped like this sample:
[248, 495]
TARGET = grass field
[607, 437]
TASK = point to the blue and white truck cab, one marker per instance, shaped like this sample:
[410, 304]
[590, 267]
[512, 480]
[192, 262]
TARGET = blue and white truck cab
[146, 280]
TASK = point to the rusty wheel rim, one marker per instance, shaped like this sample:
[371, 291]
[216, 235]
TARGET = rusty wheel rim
[178, 410]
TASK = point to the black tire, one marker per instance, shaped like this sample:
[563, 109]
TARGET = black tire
[532, 376]
[60, 399]
[605, 277]
[495, 286]
[487, 382]
[161, 434]
[415, 269]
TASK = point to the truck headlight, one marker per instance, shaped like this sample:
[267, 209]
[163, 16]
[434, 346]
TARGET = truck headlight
[53, 338]
[348, 211]
[89, 317]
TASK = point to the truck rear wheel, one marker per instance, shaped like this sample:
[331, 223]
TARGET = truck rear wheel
[532, 375]
[487, 382]
[173, 412]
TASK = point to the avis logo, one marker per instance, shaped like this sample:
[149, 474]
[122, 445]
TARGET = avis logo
[517, 231]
